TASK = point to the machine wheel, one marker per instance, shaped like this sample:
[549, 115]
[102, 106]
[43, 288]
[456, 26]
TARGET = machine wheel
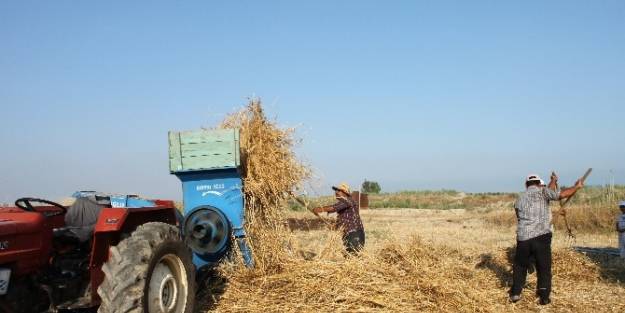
[149, 272]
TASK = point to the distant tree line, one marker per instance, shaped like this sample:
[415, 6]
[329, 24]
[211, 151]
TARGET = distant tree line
[371, 187]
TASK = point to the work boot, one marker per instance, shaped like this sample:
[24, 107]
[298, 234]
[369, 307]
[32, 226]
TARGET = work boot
[543, 294]
[515, 298]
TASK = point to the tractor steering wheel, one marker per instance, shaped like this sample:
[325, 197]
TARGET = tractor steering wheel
[25, 204]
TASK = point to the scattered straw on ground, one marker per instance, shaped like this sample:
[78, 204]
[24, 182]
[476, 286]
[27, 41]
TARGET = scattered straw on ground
[416, 277]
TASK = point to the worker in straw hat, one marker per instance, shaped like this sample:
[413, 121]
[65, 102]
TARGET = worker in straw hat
[348, 219]
[534, 234]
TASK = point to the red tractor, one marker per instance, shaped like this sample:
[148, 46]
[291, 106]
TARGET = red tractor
[94, 254]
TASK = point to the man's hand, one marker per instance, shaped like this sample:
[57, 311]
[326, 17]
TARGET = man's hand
[579, 184]
[554, 177]
[569, 192]
[553, 183]
[317, 210]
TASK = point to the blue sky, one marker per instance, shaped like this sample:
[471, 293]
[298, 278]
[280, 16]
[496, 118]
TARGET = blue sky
[470, 95]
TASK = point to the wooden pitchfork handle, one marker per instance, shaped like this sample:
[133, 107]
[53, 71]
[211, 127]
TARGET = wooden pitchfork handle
[563, 204]
[583, 179]
[302, 202]
[562, 212]
[305, 204]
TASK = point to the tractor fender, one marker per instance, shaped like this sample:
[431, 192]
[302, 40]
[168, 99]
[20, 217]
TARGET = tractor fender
[112, 226]
[111, 220]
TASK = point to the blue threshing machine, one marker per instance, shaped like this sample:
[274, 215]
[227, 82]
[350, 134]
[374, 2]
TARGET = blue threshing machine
[208, 162]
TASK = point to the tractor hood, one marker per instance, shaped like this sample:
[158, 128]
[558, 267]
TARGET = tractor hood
[14, 221]
[25, 240]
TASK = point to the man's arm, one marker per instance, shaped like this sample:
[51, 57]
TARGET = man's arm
[564, 193]
[328, 209]
[568, 192]
[335, 208]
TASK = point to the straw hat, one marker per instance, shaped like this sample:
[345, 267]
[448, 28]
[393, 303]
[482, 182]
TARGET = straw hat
[344, 187]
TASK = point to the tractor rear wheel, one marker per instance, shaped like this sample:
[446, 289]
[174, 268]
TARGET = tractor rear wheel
[149, 272]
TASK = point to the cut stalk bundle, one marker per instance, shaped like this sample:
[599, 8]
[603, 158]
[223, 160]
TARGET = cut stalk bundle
[271, 173]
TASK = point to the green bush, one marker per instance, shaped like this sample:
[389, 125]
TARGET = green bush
[371, 187]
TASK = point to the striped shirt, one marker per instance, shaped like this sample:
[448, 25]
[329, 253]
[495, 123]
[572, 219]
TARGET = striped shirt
[533, 212]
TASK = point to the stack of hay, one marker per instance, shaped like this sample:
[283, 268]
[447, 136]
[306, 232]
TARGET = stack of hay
[271, 174]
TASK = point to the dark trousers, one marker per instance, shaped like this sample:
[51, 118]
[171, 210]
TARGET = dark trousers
[538, 249]
[354, 241]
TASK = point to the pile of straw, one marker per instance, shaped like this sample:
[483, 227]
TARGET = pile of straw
[271, 174]
[417, 277]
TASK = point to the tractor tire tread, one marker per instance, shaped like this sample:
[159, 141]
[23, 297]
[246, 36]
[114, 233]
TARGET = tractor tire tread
[126, 271]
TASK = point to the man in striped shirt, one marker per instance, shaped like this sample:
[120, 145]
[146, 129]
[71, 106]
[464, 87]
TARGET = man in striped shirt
[534, 234]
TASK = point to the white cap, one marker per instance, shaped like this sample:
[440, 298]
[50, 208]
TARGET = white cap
[542, 183]
[532, 177]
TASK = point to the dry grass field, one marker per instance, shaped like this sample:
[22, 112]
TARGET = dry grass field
[418, 261]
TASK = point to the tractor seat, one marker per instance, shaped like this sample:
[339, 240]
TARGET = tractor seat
[80, 219]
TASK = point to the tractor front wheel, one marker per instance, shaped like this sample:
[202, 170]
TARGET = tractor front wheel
[149, 272]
